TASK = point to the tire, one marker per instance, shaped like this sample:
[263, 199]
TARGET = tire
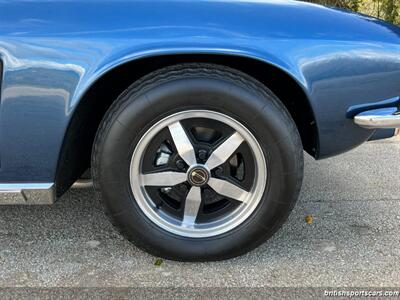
[268, 171]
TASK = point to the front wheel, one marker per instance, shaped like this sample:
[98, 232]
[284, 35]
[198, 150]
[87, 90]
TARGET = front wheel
[198, 162]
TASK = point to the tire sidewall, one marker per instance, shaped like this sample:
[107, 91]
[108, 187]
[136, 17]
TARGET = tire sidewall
[257, 109]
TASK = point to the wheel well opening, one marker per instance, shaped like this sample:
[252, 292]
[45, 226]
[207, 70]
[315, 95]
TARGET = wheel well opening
[76, 150]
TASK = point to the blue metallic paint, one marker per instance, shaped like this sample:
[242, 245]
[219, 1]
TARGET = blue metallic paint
[356, 109]
[53, 51]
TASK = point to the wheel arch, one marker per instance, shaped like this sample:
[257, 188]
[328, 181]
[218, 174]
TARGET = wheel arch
[92, 104]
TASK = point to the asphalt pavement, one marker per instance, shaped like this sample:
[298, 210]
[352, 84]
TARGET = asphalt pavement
[351, 238]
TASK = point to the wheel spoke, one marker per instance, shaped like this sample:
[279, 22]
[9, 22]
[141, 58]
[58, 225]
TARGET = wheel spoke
[182, 143]
[228, 189]
[163, 178]
[224, 151]
[192, 205]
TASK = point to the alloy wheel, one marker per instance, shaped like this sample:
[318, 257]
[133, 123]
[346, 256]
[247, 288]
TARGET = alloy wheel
[198, 173]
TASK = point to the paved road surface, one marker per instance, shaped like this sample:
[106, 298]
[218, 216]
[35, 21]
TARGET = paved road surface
[354, 239]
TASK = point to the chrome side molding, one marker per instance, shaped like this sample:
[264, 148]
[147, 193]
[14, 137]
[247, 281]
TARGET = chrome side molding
[388, 117]
[27, 193]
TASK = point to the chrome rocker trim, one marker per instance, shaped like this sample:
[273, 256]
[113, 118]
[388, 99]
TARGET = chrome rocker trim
[27, 193]
[388, 117]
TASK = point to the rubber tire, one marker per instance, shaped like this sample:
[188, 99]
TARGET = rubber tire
[197, 86]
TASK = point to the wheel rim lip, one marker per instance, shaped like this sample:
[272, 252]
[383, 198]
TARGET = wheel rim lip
[202, 230]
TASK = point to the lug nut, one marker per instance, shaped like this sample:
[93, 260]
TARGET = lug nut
[180, 164]
[219, 171]
[207, 194]
[183, 188]
[202, 154]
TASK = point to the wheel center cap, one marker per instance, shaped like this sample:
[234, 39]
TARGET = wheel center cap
[198, 176]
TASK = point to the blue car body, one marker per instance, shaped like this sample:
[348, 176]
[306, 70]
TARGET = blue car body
[53, 52]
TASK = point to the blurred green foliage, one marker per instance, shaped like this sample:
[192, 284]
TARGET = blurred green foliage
[388, 10]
